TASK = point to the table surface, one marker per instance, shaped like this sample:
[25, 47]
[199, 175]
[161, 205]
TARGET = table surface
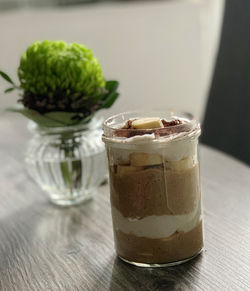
[43, 247]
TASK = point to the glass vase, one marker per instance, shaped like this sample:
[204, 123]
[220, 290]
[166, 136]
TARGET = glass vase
[69, 163]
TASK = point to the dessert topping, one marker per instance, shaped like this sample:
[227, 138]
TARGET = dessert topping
[171, 123]
[147, 123]
[151, 125]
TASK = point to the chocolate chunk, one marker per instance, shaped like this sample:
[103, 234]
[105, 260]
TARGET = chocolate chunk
[128, 124]
[171, 123]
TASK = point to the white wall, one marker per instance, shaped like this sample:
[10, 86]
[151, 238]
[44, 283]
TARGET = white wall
[162, 52]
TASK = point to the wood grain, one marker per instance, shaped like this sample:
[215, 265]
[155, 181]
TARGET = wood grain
[43, 247]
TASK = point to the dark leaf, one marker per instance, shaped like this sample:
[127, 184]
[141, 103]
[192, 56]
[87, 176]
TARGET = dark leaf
[111, 86]
[66, 118]
[109, 100]
[51, 119]
[38, 118]
[6, 77]
[9, 90]
[86, 119]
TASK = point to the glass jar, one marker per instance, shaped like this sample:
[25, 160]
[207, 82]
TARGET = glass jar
[69, 163]
[155, 189]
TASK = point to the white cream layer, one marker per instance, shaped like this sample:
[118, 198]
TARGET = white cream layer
[154, 226]
[173, 151]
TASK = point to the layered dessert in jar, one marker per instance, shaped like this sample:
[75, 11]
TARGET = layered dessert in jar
[154, 186]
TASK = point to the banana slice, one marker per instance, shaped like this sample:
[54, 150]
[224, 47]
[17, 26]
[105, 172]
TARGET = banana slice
[144, 159]
[126, 169]
[181, 165]
[147, 123]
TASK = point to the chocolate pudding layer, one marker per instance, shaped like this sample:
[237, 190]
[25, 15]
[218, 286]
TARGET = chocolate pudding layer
[138, 192]
[156, 209]
[177, 247]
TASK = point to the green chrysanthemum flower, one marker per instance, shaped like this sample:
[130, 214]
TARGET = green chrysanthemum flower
[49, 66]
[61, 84]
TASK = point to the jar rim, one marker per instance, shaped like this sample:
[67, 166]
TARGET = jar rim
[115, 122]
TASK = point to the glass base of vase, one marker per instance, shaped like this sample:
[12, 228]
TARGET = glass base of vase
[161, 265]
[66, 201]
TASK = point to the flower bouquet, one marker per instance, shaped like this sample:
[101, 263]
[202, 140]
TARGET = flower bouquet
[61, 88]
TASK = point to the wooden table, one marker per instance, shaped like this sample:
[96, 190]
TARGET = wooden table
[43, 247]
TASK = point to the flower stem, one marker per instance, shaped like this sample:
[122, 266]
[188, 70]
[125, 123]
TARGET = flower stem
[71, 168]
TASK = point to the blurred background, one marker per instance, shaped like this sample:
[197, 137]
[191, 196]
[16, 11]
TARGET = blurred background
[164, 53]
